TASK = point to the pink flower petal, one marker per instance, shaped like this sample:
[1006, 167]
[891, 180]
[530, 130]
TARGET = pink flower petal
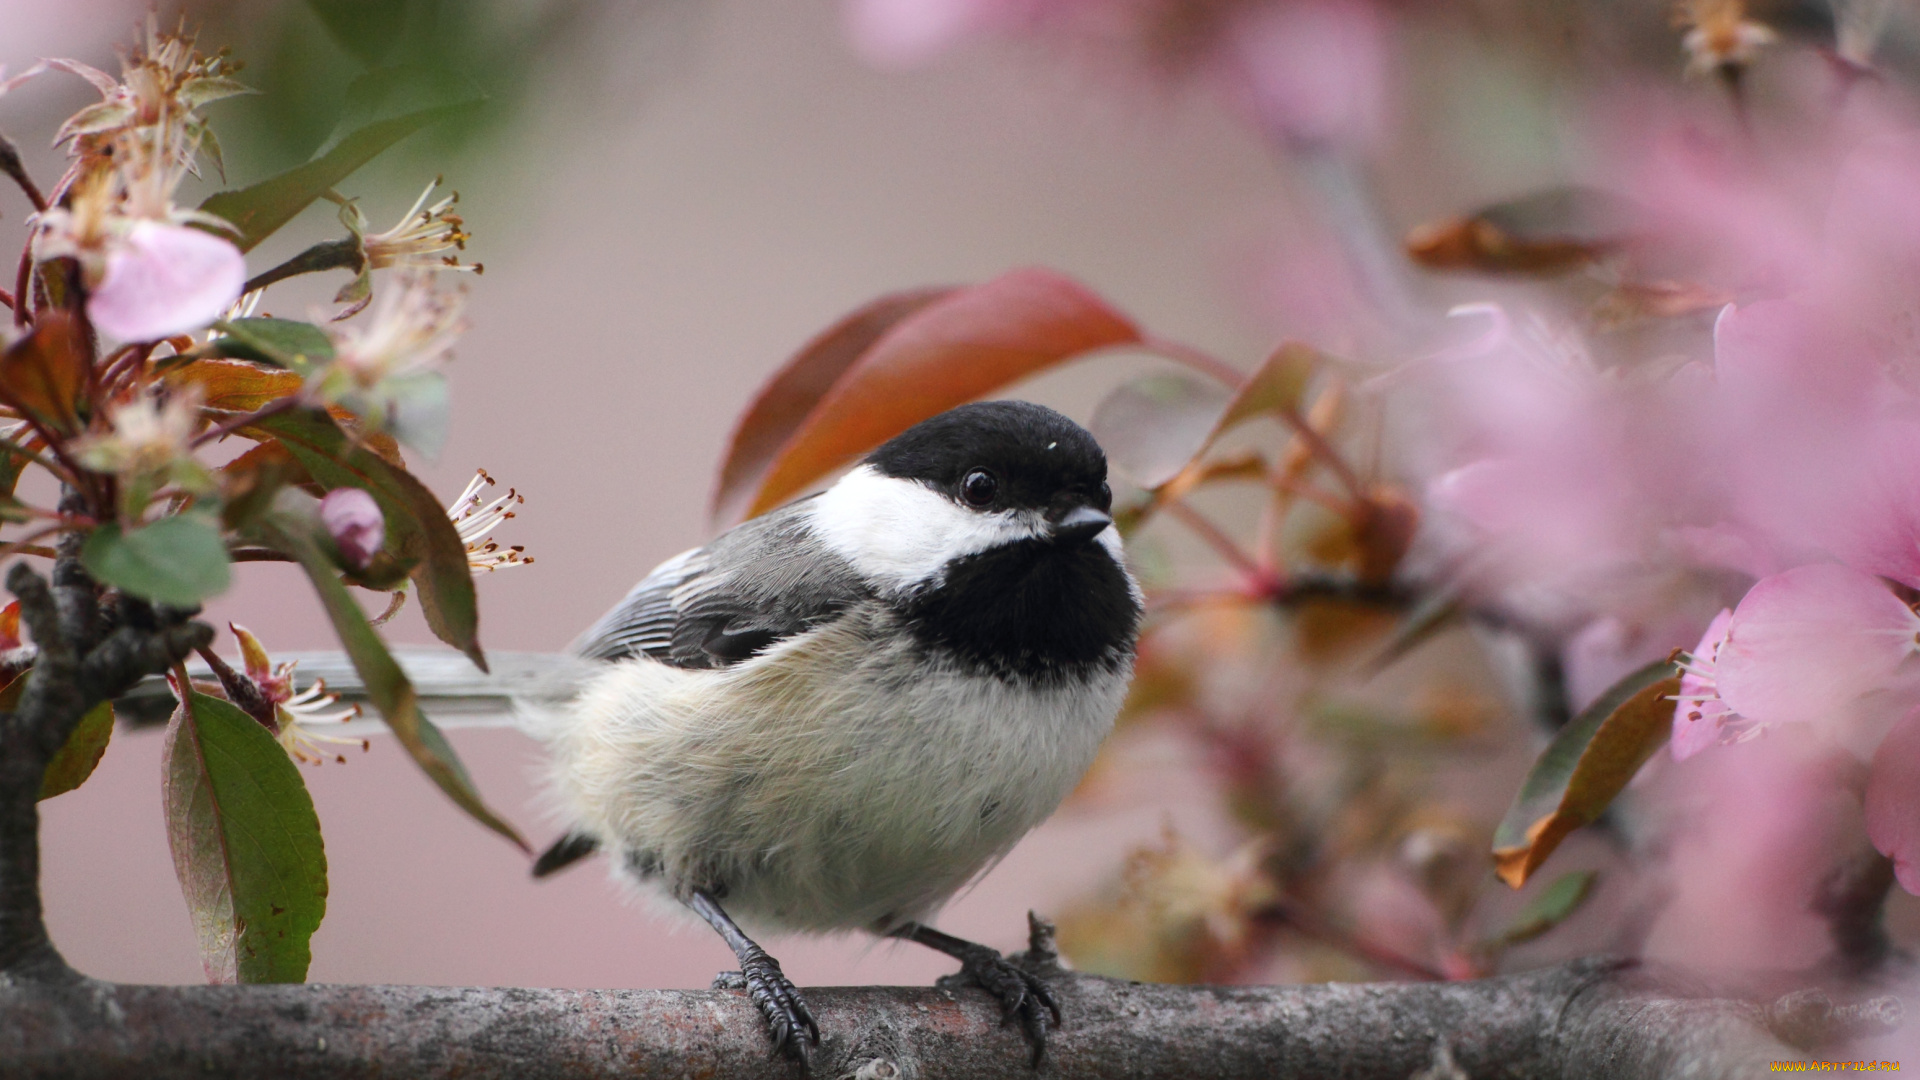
[166, 280]
[1893, 800]
[1698, 714]
[1804, 644]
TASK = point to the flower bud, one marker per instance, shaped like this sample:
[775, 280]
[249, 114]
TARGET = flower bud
[354, 521]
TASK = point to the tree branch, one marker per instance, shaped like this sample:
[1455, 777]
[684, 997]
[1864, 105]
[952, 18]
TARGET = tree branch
[1584, 1019]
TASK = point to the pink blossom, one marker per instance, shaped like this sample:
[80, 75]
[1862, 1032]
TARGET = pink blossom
[1802, 645]
[1313, 71]
[906, 33]
[1893, 800]
[1699, 714]
[354, 521]
[1816, 444]
[165, 280]
[1753, 830]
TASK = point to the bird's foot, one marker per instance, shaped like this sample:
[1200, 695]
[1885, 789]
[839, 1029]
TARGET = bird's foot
[1022, 993]
[795, 1032]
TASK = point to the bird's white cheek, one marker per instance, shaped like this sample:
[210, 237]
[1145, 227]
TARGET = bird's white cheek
[898, 533]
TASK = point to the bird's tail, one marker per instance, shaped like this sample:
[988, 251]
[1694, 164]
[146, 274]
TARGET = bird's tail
[452, 692]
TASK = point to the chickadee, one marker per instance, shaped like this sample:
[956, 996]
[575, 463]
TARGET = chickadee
[837, 715]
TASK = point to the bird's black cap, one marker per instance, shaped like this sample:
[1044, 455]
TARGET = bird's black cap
[1036, 456]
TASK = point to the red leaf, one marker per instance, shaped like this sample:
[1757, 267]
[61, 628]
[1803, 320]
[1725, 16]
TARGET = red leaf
[45, 372]
[786, 400]
[956, 348]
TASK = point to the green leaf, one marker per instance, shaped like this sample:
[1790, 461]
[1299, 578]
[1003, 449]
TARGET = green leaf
[1555, 905]
[1585, 766]
[82, 752]
[1155, 426]
[246, 844]
[296, 346]
[386, 684]
[1435, 612]
[177, 560]
[417, 524]
[259, 210]
[1151, 427]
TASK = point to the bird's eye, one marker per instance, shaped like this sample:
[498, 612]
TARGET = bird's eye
[1106, 497]
[979, 488]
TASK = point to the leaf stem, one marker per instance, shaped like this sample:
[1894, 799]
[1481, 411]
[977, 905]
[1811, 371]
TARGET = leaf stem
[342, 254]
[12, 447]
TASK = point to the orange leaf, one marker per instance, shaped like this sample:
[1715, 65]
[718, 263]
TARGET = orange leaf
[1544, 233]
[237, 386]
[1588, 763]
[45, 372]
[956, 348]
[786, 400]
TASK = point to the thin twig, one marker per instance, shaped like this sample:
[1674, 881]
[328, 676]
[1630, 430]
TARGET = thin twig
[1218, 541]
[1323, 450]
[26, 546]
[271, 408]
[56, 469]
[116, 364]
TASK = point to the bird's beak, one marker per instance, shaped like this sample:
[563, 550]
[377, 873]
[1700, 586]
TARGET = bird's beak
[1079, 525]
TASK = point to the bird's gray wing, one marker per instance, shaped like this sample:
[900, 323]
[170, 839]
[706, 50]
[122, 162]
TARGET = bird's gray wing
[764, 581]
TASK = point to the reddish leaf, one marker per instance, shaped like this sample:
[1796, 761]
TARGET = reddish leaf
[45, 372]
[786, 400]
[958, 347]
[236, 386]
[1547, 232]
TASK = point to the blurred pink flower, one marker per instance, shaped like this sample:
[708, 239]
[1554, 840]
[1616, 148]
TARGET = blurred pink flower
[905, 33]
[1893, 800]
[1313, 72]
[164, 280]
[354, 521]
[1750, 831]
[1817, 444]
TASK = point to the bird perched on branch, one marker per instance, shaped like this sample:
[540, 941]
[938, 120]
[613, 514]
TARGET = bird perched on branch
[837, 715]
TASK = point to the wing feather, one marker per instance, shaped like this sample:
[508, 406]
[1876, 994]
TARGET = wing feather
[762, 582]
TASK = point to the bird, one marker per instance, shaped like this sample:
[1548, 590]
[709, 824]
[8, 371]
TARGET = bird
[837, 715]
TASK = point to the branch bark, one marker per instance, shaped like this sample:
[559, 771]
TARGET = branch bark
[1584, 1019]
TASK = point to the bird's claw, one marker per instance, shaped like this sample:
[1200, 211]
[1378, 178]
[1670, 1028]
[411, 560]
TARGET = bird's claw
[795, 1032]
[1021, 993]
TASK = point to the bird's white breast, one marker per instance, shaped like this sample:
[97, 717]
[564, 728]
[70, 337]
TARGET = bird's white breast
[816, 786]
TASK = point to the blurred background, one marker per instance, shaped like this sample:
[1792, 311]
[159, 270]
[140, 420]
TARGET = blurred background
[671, 197]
